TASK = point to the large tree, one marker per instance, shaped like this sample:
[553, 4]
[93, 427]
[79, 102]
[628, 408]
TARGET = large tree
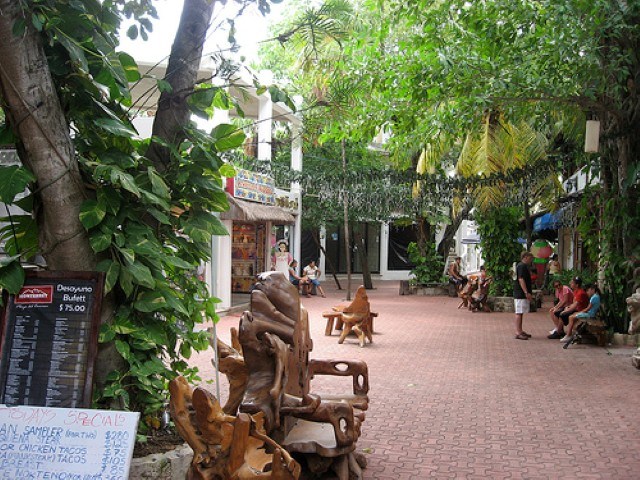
[435, 70]
[142, 211]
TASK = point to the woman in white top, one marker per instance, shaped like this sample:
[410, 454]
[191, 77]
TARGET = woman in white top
[312, 272]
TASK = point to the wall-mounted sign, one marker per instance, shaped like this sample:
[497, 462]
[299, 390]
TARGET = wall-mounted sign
[49, 340]
[287, 202]
[60, 443]
[252, 186]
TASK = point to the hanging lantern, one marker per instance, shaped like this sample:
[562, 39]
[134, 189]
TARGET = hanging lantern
[592, 136]
[541, 250]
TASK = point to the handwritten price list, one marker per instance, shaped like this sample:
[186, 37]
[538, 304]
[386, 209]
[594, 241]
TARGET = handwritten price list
[65, 444]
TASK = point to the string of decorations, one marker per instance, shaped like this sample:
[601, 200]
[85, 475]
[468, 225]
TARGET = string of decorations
[377, 193]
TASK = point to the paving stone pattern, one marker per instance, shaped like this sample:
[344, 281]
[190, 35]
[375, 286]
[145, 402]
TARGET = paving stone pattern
[454, 395]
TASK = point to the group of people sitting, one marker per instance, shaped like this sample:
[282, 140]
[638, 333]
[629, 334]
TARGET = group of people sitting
[473, 290]
[308, 280]
[574, 303]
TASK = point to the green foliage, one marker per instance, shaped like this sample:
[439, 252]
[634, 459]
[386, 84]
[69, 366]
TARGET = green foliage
[152, 231]
[149, 225]
[498, 229]
[600, 243]
[15, 181]
[428, 268]
[11, 273]
[567, 274]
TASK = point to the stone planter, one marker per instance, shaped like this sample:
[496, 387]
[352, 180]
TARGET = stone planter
[500, 304]
[172, 465]
[621, 339]
[430, 290]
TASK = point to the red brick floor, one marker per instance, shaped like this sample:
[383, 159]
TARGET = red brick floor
[454, 395]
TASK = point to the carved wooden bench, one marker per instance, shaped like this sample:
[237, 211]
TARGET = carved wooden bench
[589, 326]
[226, 446]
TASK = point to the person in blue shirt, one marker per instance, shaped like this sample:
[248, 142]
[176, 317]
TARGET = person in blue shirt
[588, 312]
[300, 282]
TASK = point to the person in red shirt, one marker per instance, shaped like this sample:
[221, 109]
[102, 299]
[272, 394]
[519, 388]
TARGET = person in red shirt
[580, 302]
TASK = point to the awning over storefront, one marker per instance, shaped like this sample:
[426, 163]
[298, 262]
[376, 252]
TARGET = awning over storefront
[548, 221]
[242, 210]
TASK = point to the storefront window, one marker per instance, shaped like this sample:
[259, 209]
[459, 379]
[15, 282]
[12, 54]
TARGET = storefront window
[247, 255]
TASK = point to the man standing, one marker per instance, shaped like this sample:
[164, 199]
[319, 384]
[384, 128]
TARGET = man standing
[522, 293]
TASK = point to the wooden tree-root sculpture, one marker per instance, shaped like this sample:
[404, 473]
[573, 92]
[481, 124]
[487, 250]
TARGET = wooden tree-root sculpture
[225, 446]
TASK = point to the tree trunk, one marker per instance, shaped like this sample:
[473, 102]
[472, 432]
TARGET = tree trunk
[424, 235]
[34, 112]
[450, 230]
[45, 147]
[364, 260]
[173, 111]
[327, 259]
[347, 241]
[528, 224]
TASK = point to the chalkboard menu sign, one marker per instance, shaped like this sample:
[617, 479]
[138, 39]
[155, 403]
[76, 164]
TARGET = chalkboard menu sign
[70, 444]
[49, 340]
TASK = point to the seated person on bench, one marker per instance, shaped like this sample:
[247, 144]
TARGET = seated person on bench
[313, 273]
[302, 283]
[589, 312]
[565, 298]
[478, 300]
[580, 302]
[455, 276]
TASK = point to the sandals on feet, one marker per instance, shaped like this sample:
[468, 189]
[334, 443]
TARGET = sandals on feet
[521, 336]
[526, 334]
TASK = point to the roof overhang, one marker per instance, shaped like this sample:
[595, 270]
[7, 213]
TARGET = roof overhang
[242, 210]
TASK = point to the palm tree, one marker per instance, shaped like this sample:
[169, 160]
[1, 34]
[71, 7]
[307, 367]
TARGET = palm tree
[500, 147]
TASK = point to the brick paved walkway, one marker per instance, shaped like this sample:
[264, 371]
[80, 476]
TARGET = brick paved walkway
[454, 395]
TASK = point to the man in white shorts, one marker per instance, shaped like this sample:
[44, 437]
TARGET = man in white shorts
[522, 293]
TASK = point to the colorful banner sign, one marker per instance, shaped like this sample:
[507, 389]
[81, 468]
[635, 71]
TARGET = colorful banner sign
[252, 186]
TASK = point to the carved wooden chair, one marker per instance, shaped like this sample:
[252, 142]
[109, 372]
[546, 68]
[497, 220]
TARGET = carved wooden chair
[355, 317]
[275, 342]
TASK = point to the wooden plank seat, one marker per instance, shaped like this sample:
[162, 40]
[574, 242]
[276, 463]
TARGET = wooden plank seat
[331, 316]
[589, 326]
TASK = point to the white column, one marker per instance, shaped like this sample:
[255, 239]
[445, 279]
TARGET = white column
[220, 265]
[265, 120]
[296, 165]
[384, 250]
[220, 283]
